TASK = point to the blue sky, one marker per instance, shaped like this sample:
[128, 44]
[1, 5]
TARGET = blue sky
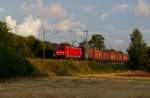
[65, 20]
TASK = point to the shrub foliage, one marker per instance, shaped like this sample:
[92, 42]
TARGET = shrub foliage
[12, 63]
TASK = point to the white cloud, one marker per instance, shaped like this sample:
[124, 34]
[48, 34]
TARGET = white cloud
[145, 31]
[33, 27]
[120, 45]
[120, 8]
[11, 23]
[29, 27]
[142, 8]
[80, 34]
[117, 44]
[88, 9]
[66, 26]
[51, 12]
[38, 9]
[65, 22]
[104, 16]
[115, 9]
[1, 10]
[27, 8]
[57, 11]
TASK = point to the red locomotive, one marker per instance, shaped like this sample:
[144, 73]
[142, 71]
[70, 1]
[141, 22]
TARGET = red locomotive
[98, 55]
[68, 52]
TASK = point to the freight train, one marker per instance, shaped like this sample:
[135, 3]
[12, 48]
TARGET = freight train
[97, 55]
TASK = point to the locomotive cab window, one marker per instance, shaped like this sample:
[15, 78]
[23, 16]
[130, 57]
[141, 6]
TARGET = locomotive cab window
[61, 48]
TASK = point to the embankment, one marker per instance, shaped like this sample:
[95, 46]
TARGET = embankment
[51, 67]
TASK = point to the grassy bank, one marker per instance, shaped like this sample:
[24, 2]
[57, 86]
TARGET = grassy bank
[72, 68]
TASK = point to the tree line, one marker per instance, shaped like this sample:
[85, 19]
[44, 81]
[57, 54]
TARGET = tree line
[28, 47]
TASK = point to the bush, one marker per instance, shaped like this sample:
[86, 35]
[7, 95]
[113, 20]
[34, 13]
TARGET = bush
[13, 65]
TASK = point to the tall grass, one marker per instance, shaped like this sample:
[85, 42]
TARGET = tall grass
[73, 68]
[60, 68]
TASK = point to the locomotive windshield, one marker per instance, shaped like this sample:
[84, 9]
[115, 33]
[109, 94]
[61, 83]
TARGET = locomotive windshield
[61, 48]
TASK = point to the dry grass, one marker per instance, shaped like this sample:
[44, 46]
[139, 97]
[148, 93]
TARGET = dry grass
[125, 74]
[76, 87]
[135, 74]
[52, 67]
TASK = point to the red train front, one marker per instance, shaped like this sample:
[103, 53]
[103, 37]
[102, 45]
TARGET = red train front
[68, 52]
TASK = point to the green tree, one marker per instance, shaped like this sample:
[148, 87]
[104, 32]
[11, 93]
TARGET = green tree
[28, 47]
[49, 50]
[20, 45]
[65, 44]
[12, 64]
[97, 41]
[82, 44]
[137, 51]
[148, 62]
[148, 52]
[3, 33]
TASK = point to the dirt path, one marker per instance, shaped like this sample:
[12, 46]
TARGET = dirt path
[127, 75]
[76, 87]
